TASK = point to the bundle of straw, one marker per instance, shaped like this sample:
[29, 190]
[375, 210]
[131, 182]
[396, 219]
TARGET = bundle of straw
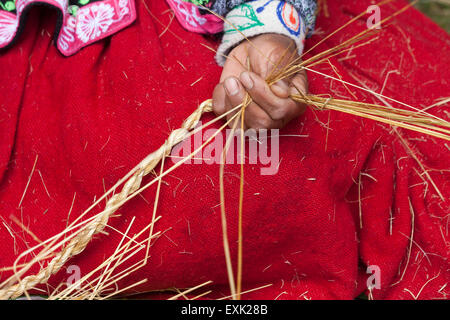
[416, 121]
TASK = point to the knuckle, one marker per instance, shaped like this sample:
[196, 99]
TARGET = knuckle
[276, 53]
[236, 99]
[264, 69]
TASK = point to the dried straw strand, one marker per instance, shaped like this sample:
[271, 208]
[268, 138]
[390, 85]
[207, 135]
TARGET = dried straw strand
[78, 244]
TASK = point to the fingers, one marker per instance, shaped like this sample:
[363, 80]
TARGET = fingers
[267, 110]
[235, 96]
[219, 96]
[299, 84]
[227, 96]
[280, 110]
[230, 94]
[233, 65]
[271, 106]
[256, 118]
[281, 89]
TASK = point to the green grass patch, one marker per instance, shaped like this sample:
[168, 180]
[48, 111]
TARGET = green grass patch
[438, 10]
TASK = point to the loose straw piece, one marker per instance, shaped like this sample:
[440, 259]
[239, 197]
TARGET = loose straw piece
[422, 123]
[79, 243]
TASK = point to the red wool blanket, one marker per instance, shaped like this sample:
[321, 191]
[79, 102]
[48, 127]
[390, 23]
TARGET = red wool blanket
[350, 196]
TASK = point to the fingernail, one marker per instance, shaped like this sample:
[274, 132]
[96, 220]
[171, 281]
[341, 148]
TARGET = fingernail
[231, 86]
[246, 80]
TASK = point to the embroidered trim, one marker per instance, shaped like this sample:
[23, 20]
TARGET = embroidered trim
[82, 25]
[289, 17]
[8, 27]
[191, 19]
[258, 17]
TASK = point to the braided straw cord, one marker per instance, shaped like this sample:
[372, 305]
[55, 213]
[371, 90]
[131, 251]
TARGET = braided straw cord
[81, 240]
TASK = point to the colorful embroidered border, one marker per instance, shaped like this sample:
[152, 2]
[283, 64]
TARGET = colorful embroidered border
[191, 19]
[81, 25]
[258, 17]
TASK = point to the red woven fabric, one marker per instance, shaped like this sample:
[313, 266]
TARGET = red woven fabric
[90, 118]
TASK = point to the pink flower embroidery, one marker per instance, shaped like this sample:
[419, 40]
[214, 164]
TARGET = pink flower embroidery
[94, 20]
[8, 27]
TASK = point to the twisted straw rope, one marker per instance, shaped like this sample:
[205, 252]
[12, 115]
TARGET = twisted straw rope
[79, 242]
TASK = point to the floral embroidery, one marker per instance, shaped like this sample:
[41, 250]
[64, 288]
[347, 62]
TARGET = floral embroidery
[72, 10]
[190, 17]
[123, 5]
[8, 6]
[247, 18]
[289, 17]
[84, 21]
[63, 4]
[190, 14]
[8, 27]
[198, 2]
[93, 21]
[21, 4]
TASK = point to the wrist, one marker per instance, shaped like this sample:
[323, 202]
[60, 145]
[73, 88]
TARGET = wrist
[275, 19]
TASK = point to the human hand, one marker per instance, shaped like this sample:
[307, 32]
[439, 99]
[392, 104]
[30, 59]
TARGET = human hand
[271, 107]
